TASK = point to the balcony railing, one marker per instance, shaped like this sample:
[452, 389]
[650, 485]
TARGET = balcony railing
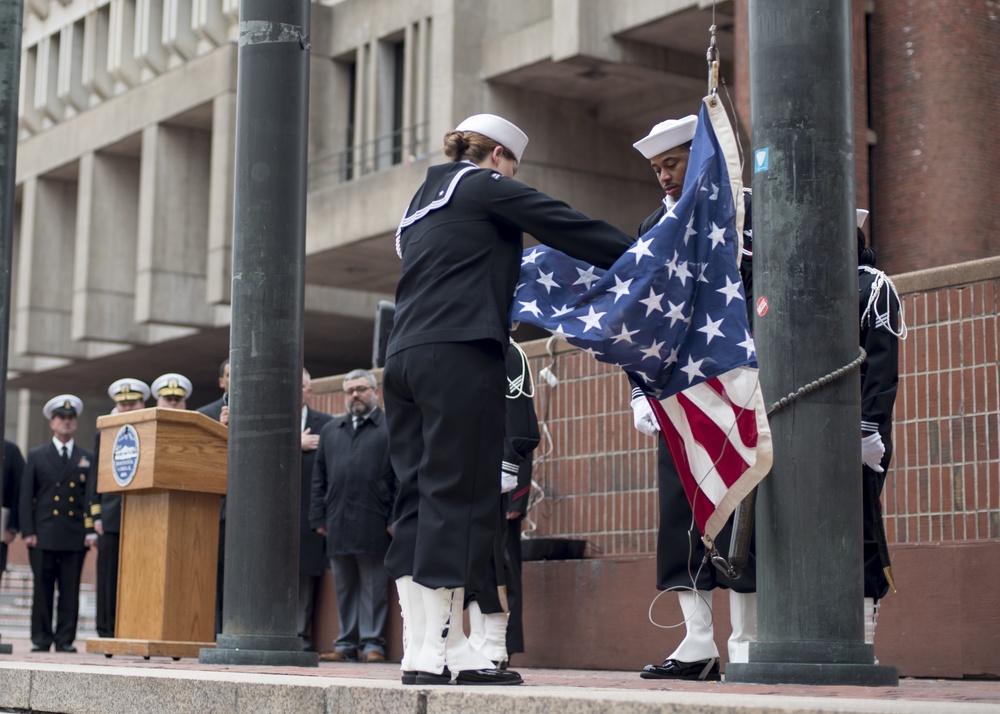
[398, 147]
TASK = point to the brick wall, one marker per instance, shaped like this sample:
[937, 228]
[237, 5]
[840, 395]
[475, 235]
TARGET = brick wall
[934, 97]
[597, 474]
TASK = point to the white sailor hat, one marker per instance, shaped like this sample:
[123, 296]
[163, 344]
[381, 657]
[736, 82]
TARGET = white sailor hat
[498, 129]
[64, 404]
[862, 216]
[172, 384]
[667, 135]
[127, 389]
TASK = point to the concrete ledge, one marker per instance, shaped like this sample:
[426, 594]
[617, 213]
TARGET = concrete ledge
[72, 689]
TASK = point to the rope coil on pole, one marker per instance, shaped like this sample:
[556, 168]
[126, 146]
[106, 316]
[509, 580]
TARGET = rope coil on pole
[817, 383]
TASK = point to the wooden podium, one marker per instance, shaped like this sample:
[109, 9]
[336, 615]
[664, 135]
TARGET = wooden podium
[170, 467]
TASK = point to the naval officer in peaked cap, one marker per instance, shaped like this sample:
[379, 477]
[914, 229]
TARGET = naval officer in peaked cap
[172, 390]
[54, 524]
[128, 395]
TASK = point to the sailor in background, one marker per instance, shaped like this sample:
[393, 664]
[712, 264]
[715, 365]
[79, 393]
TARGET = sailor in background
[680, 552]
[54, 524]
[491, 608]
[444, 384]
[172, 390]
[882, 327]
[105, 509]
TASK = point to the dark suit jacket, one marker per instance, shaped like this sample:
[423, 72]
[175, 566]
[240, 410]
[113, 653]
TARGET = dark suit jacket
[214, 410]
[54, 498]
[104, 506]
[13, 468]
[312, 546]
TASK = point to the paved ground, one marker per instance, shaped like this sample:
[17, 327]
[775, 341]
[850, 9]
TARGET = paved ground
[945, 692]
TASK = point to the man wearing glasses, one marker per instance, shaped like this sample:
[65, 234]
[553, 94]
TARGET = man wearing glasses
[353, 490]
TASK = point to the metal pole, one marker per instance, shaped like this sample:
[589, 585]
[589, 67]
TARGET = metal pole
[10, 77]
[262, 512]
[809, 521]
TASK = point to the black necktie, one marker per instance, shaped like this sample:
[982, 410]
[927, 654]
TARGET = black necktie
[65, 454]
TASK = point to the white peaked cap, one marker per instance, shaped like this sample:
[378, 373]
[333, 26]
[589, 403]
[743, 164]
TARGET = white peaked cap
[667, 135]
[64, 403]
[172, 385]
[862, 216]
[498, 129]
[128, 389]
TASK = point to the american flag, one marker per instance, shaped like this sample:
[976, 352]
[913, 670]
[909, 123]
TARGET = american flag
[671, 312]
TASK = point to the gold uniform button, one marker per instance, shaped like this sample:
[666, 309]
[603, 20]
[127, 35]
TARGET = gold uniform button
[55, 512]
[72, 485]
[57, 498]
[71, 499]
[58, 485]
[70, 513]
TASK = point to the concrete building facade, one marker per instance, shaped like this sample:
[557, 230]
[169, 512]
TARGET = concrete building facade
[123, 226]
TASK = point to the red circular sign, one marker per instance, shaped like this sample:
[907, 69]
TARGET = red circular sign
[762, 306]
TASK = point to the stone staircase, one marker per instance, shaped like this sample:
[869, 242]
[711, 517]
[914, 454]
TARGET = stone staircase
[15, 604]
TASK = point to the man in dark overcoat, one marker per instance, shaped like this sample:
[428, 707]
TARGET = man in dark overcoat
[353, 491]
[312, 546]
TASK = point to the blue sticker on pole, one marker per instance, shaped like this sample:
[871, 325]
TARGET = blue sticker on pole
[761, 160]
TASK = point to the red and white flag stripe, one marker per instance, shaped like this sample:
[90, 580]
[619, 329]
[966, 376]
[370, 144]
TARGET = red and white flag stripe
[720, 441]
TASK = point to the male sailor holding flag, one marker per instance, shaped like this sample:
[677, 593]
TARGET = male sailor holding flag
[672, 312]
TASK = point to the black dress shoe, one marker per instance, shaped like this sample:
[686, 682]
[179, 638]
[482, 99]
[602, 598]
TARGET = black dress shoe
[39, 648]
[703, 669]
[430, 678]
[409, 676]
[488, 676]
[65, 648]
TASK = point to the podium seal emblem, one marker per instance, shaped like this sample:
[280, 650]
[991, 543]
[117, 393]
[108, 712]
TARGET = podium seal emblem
[125, 455]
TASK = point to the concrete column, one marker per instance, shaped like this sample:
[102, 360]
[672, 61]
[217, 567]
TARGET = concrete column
[96, 39]
[173, 226]
[219, 264]
[45, 267]
[106, 225]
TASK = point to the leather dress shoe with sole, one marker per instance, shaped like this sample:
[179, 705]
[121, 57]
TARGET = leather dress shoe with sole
[374, 657]
[338, 656]
[39, 648]
[429, 678]
[488, 676]
[65, 648]
[702, 670]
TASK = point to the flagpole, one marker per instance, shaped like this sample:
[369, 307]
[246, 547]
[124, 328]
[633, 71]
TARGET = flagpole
[809, 520]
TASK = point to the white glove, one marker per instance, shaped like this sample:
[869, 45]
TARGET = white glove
[643, 418]
[872, 451]
[508, 476]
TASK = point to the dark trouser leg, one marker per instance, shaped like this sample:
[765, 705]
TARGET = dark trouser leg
[346, 579]
[515, 599]
[107, 583]
[446, 449]
[374, 603]
[218, 577]
[70, 565]
[307, 604]
[43, 567]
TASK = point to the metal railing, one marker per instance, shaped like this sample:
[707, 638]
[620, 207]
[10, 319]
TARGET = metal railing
[383, 152]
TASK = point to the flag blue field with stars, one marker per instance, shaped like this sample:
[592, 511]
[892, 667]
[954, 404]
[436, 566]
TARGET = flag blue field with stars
[671, 311]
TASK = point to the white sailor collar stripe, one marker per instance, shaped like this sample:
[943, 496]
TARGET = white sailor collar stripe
[433, 205]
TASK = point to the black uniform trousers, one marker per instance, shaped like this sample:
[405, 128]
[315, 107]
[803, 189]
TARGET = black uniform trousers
[679, 554]
[108, 550]
[445, 410]
[52, 567]
[876, 584]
